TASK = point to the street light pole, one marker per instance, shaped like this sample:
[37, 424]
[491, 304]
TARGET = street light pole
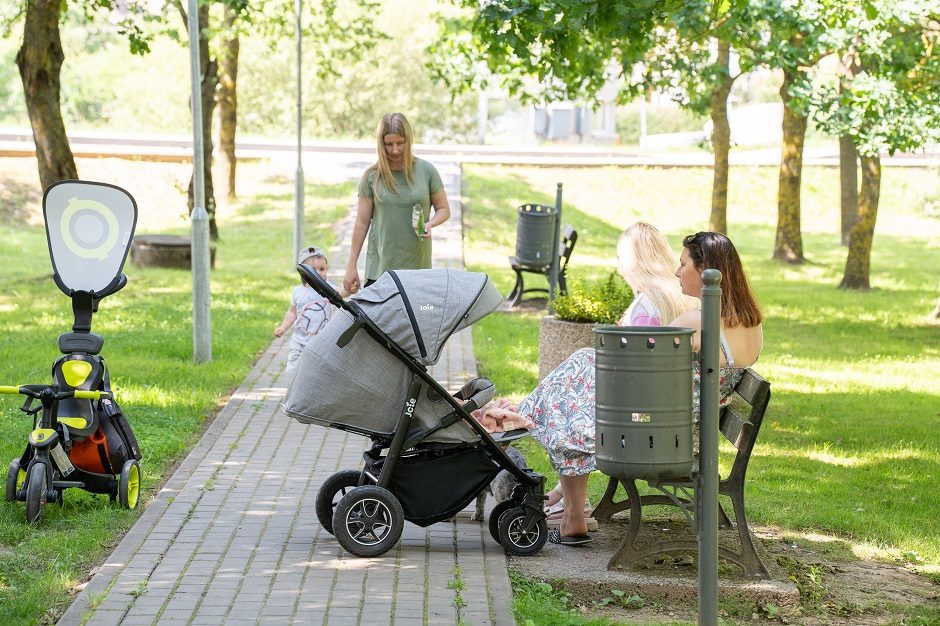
[199, 250]
[299, 178]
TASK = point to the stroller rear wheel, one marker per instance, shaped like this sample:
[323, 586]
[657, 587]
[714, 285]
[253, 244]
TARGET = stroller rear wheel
[331, 492]
[518, 539]
[37, 490]
[368, 521]
[497, 513]
[15, 479]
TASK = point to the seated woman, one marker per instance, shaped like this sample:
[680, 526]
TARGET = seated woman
[562, 406]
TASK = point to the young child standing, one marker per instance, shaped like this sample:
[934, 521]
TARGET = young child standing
[309, 311]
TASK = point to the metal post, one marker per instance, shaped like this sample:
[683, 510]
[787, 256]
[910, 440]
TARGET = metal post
[707, 513]
[299, 178]
[202, 299]
[553, 272]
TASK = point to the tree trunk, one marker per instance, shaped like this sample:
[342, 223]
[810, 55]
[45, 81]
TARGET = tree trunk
[789, 243]
[848, 160]
[858, 263]
[848, 180]
[228, 99]
[40, 63]
[208, 70]
[935, 314]
[721, 139]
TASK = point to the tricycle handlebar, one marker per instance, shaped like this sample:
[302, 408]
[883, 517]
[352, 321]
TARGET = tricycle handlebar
[52, 392]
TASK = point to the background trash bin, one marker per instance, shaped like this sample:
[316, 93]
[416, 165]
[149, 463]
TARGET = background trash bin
[644, 401]
[535, 232]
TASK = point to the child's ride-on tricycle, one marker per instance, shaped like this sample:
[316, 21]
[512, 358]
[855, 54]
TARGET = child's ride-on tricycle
[80, 437]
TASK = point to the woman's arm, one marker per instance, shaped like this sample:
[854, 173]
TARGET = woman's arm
[691, 319]
[441, 211]
[363, 221]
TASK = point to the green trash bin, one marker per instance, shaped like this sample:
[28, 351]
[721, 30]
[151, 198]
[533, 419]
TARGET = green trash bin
[535, 232]
[643, 392]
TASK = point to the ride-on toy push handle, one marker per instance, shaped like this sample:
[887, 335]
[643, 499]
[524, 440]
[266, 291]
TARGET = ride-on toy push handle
[36, 391]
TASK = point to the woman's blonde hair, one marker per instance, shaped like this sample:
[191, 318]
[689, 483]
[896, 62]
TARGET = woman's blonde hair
[648, 264]
[394, 124]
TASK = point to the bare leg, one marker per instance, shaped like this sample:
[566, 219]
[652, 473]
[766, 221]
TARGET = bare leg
[573, 522]
[554, 495]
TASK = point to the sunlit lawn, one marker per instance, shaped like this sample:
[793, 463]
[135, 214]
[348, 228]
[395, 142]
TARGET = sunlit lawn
[850, 444]
[148, 346]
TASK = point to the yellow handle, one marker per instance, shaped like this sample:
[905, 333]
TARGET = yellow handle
[91, 395]
[9, 389]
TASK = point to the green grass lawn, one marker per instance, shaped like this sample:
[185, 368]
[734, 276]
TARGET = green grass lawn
[850, 446]
[148, 346]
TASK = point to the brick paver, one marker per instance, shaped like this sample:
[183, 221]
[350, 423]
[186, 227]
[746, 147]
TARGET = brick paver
[232, 538]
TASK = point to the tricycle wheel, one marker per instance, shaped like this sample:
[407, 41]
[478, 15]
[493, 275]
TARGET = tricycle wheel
[37, 489]
[368, 521]
[15, 479]
[331, 492]
[129, 486]
[518, 539]
[497, 513]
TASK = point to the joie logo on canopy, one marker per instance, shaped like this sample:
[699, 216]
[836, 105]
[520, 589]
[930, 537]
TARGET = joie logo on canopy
[89, 226]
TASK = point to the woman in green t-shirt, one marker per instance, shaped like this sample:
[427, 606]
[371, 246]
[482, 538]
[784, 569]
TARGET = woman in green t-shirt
[395, 199]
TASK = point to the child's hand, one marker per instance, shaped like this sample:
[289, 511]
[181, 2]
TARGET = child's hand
[278, 331]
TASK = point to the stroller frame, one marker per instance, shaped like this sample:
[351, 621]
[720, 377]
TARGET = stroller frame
[519, 524]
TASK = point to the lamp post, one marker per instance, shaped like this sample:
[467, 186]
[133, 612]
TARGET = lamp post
[299, 177]
[202, 318]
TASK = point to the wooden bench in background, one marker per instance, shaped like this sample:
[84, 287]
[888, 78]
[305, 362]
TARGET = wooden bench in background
[568, 239]
[742, 432]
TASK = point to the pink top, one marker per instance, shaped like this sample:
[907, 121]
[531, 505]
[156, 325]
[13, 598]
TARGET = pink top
[641, 312]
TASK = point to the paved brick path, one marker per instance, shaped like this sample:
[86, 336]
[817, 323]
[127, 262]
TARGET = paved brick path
[233, 538]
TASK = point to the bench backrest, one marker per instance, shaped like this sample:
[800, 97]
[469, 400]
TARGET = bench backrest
[569, 237]
[742, 431]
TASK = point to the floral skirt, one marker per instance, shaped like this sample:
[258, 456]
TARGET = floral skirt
[562, 407]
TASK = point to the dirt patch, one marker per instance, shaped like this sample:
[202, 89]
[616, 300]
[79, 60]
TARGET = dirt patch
[814, 580]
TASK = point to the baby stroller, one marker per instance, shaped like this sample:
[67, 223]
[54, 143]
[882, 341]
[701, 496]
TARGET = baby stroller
[375, 383]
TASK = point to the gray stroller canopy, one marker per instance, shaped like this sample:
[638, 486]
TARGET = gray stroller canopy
[420, 309]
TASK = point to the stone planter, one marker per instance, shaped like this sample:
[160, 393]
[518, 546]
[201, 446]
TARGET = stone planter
[165, 251]
[558, 339]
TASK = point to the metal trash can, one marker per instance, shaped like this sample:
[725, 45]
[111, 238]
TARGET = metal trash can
[643, 415]
[535, 232]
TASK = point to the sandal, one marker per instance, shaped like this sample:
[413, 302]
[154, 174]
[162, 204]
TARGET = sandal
[572, 540]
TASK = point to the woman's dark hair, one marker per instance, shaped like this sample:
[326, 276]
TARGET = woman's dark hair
[715, 251]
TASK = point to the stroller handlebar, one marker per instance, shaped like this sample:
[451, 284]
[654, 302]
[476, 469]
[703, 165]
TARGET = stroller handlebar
[52, 392]
[325, 289]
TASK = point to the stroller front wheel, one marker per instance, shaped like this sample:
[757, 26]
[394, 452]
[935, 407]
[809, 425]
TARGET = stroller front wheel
[368, 521]
[518, 538]
[495, 516]
[331, 492]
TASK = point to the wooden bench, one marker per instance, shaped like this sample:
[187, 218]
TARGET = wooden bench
[742, 433]
[568, 239]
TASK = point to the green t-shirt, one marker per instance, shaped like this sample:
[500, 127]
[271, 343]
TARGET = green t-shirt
[393, 244]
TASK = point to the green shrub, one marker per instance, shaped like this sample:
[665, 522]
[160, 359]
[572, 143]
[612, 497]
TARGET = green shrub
[601, 302]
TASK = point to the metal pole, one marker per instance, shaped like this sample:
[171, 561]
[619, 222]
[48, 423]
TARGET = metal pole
[707, 513]
[299, 178]
[553, 271]
[202, 298]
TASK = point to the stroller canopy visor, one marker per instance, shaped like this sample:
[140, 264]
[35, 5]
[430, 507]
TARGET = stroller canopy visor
[420, 309]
